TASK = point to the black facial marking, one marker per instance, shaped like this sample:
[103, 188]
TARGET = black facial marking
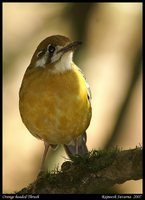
[40, 53]
[51, 49]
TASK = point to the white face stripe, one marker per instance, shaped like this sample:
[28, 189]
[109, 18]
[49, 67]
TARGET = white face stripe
[56, 56]
[62, 62]
[38, 54]
[42, 61]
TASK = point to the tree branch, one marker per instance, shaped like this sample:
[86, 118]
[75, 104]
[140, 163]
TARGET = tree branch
[92, 173]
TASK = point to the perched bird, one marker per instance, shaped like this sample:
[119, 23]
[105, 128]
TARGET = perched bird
[54, 97]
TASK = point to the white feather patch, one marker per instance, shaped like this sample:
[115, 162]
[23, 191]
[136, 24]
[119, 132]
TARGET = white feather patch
[64, 64]
[42, 61]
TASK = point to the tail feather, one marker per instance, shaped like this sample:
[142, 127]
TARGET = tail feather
[77, 146]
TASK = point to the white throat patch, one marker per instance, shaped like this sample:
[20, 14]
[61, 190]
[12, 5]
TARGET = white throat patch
[64, 64]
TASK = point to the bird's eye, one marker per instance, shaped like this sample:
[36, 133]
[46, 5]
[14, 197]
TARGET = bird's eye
[51, 49]
[40, 54]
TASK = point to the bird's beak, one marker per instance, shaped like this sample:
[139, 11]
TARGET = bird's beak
[70, 47]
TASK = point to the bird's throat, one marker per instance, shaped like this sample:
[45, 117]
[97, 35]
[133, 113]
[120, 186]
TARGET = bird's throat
[63, 64]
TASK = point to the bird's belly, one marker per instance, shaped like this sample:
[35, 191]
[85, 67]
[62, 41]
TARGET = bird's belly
[54, 115]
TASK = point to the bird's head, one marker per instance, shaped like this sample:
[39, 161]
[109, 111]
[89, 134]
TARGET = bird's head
[55, 53]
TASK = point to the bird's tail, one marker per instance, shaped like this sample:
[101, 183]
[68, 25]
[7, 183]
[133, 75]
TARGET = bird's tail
[77, 146]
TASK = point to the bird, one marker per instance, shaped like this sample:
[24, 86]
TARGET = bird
[55, 97]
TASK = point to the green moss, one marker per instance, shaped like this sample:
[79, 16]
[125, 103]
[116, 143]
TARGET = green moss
[139, 147]
[90, 162]
[80, 165]
[96, 159]
[74, 173]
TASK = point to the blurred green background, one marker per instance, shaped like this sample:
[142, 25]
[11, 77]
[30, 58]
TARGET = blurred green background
[111, 58]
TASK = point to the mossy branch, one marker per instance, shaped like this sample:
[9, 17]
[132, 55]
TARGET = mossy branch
[92, 173]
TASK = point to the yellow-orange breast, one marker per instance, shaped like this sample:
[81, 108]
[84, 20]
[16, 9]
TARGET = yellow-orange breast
[54, 107]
